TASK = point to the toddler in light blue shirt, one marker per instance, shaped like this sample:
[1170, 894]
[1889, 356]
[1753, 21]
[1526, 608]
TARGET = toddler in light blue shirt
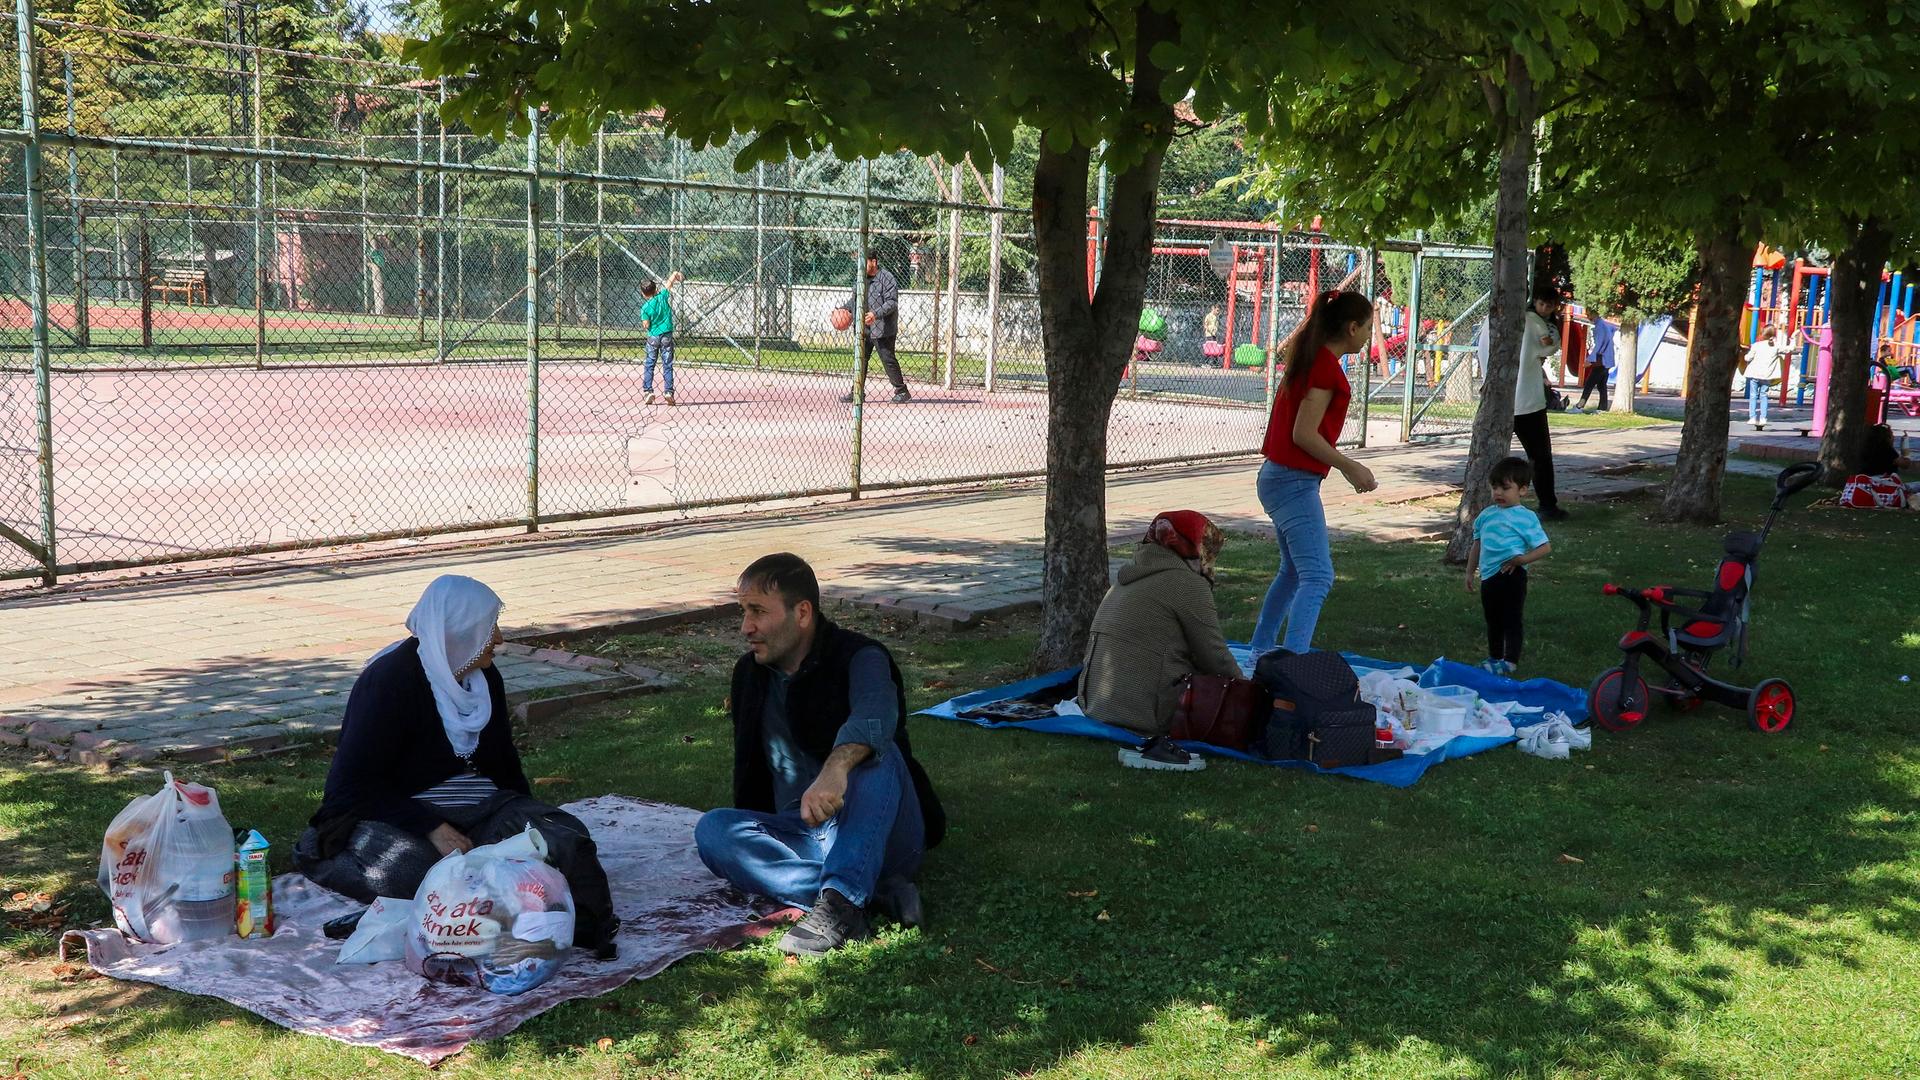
[1506, 537]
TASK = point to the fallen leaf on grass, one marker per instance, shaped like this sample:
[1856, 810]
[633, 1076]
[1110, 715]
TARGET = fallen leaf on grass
[22, 896]
[1083, 895]
[1206, 1008]
[970, 1040]
[1103, 916]
[937, 684]
[791, 960]
[546, 781]
[1566, 858]
[1311, 828]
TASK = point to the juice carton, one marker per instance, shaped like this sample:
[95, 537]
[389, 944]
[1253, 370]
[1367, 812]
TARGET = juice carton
[253, 886]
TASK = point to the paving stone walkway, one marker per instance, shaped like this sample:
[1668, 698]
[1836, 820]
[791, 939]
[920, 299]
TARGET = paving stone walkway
[205, 667]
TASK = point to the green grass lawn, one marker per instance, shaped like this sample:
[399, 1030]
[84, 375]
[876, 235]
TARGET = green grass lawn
[1692, 900]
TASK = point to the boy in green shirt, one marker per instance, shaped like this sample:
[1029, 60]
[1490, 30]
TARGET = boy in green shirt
[656, 318]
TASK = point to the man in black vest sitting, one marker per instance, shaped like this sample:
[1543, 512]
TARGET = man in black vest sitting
[832, 813]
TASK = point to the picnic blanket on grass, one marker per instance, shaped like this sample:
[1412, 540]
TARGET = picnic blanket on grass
[669, 905]
[1543, 694]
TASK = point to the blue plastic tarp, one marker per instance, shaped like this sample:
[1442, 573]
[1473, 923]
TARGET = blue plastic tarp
[1544, 694]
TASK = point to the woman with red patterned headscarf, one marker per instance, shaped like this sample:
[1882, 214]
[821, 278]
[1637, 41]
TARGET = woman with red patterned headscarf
[1157, 626]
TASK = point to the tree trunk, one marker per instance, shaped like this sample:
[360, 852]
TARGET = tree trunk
[1087, 344]
[1626, 359]
[1514, 112]
[1856, 284]
[1694, 492]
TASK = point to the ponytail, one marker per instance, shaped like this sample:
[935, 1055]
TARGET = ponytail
[1331, 312]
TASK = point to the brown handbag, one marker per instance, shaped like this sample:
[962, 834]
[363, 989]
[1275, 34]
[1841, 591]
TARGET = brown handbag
[1221, 711]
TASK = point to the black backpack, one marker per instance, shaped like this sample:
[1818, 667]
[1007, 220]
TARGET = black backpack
[1317, 712]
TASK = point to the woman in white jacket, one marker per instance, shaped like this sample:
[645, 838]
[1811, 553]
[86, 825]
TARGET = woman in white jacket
[1765, 363]
[1540, 340]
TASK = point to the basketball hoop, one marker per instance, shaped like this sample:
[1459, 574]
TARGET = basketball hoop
[1220, 257]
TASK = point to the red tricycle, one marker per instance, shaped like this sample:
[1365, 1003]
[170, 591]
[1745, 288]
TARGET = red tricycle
[1690, 636]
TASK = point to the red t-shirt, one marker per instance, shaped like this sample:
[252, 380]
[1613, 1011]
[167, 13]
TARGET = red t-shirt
[1279, 446]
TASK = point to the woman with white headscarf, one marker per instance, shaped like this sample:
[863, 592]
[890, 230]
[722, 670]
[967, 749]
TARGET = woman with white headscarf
[426, 766]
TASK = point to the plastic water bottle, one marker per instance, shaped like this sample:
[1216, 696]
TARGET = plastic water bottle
[199, 860]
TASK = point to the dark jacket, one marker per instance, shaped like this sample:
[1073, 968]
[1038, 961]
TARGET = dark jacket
[883, 299]
[392, 746]
[819, 700]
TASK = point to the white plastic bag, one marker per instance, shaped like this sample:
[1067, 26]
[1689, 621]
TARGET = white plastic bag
[167, 865]
[381, 933]
[497, 917]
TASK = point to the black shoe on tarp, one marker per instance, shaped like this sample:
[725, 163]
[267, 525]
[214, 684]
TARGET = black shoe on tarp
[898, 899]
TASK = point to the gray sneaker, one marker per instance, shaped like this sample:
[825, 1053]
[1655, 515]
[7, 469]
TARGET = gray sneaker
[833, 922]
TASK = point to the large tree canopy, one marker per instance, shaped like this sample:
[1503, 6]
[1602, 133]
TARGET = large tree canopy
[1439, 114]
[1753, 129]
[935, 77]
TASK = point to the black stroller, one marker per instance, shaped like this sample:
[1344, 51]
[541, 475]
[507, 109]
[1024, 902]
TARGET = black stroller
[1619, 698]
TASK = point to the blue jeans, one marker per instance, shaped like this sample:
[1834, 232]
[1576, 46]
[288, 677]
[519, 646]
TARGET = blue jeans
[877, 834]
[1757, 394]
[1291, 498]
[660, 351]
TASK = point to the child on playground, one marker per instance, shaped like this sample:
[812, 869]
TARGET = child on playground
[1899, 375]
[1506, 538]
[656, 318]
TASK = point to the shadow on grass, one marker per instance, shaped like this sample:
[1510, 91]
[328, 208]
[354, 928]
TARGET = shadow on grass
[1506, 916]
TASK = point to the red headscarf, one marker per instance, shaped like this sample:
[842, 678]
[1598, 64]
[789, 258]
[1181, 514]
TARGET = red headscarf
[1186, 533]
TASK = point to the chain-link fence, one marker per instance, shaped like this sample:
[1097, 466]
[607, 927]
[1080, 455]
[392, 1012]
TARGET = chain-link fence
[287, 305]
[1429, 364]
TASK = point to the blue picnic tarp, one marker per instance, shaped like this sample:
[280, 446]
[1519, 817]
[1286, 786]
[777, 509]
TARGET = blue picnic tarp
[1544, 694]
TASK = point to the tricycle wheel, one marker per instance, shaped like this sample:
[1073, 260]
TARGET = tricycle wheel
[1770, 706]
[1609, 708]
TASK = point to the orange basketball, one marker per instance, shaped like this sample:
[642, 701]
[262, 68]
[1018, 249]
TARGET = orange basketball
[842, 318]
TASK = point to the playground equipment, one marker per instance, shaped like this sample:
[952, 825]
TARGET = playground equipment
[1799, 297]
[1619, 698]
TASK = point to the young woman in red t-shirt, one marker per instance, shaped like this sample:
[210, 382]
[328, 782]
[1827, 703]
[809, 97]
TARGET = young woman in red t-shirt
[1308, 411]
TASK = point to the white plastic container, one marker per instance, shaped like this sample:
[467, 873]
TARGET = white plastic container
[1447, 708]
[198, 859]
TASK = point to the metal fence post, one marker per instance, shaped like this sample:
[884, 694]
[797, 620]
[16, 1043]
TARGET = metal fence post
[953, 281]
[533, 320]
[600, 244]
[759, 254]
[37, 285]
[121, 292]
[559, 241]
[419, 225]
[260, 225]
[1366, 359]
[1409, 366]
[367, 305]
[81, 335]
[440, 237]
[1273, 322]
[995, 233]
[860, 350]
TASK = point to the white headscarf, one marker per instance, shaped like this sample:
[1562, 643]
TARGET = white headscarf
[454, 621]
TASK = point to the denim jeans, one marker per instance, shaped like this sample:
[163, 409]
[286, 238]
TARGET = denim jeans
[1757, 394]
[877, 834]
[1291, 497]
[659, 350]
